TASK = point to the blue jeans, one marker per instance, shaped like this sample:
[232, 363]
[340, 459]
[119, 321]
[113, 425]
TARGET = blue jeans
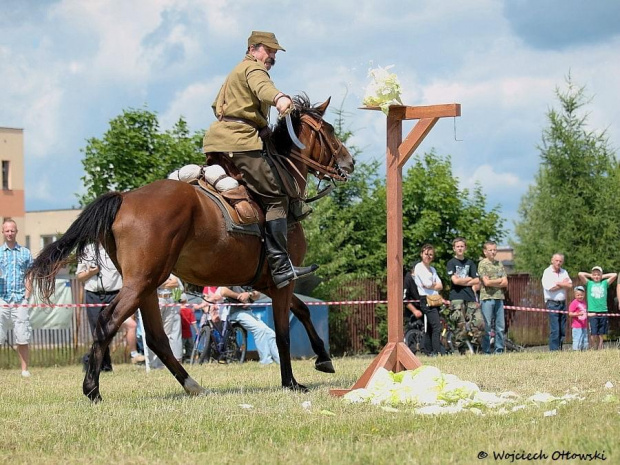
[580, 338]
[264, 336]
[557, 324]
[493, 309]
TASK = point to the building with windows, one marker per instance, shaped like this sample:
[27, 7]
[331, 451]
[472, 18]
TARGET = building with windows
[506, 255]
[44, 227]
[36, 228]
[12, 199]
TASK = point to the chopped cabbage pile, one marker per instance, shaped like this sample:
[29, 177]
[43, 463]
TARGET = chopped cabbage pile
[383, 90]
[431, 392]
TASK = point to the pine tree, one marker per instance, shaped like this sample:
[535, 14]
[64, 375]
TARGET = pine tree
[572, 206]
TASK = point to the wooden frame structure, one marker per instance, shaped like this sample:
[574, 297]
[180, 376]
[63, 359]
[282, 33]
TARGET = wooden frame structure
[396, 356]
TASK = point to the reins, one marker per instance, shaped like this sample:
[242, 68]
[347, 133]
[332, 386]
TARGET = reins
[326, 164]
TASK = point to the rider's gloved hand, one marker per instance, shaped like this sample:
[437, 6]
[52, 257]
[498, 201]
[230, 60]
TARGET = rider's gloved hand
[284, 104]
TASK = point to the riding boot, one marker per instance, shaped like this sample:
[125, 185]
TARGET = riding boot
[282, 270]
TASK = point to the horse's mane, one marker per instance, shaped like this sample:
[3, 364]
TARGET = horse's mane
[280, 137]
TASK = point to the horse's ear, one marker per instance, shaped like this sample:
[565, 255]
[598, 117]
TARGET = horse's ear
[323, 106]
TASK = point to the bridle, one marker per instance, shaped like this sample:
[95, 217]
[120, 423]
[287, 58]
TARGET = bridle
[330, 148]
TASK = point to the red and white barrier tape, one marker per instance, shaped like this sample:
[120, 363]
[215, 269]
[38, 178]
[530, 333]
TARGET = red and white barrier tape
[342, 302]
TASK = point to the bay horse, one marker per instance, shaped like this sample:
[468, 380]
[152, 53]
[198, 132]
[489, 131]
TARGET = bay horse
[169, 226]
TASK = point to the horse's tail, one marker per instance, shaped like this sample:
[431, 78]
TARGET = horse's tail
[93, 225]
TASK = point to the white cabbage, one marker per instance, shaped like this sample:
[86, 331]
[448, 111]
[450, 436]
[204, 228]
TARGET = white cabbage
[383, 90]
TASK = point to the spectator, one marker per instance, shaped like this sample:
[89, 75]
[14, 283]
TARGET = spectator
[102, 282]
[411, 293]
[428, 283]
[14, 289]
[578, 312]
[596, 294]
[493, 282]
[465, 310]
[188, 322]
[211, 300]
[264, 336]
[171, 319]
[555, 281]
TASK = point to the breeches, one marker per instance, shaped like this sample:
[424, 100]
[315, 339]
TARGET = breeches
[263, 182]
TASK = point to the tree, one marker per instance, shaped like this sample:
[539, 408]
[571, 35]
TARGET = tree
[134, 152]
[436, 210]
[347, 232]
[572, 207]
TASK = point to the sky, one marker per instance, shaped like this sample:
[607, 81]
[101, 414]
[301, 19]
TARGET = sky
[68, 67]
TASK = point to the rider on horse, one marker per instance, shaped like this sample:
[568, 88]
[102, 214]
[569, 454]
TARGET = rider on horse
[242, 110]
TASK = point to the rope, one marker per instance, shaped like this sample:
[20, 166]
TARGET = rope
[335, 302]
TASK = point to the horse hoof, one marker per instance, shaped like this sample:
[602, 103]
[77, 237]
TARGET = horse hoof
[297, 388]
[95, 398]
[93, 394]
[326, 366]
[193, 388]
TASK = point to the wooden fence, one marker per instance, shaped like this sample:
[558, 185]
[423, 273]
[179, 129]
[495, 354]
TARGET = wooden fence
[351, 326]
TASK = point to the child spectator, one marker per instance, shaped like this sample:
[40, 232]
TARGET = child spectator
[596, 295]
[578, 312]
[188, 321]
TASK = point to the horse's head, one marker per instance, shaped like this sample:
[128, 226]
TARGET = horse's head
[324, 154]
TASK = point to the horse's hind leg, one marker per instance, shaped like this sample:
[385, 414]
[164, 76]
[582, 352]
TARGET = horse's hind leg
[323, 362]
[108, 324]
[158, 342]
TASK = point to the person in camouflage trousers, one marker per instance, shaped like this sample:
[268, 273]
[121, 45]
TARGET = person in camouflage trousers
[465, 314]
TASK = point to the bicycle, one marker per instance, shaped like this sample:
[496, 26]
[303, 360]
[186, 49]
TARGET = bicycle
[509, 345]
[414, 336]
[226, 345]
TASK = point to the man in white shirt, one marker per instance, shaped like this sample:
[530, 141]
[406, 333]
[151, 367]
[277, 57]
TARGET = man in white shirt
[555, 282]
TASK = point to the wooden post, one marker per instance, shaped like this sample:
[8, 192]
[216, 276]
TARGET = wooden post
[396, 356]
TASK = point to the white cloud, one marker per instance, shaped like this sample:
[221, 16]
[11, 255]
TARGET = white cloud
[194, 104]
[70, 66]
[490, 179]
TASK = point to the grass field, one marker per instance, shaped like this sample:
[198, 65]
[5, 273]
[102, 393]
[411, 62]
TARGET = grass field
[146, 418]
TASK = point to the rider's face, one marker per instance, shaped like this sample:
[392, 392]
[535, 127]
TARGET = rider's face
[265, 55]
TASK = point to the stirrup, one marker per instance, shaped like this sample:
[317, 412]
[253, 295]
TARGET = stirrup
[284, 279]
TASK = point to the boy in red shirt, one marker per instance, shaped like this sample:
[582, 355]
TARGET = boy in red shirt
[188, 321]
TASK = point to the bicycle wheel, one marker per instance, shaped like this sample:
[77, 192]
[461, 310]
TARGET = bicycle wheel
[448, 341]
[236, 344]
[414, 340]
[510, 346]
[203, 347]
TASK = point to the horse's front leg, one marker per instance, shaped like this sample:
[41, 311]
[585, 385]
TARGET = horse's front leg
[323, 362]
[158, 342]
[281, 300]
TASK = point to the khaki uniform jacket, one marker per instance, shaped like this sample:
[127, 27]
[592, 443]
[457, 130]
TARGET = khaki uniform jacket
[247, 94]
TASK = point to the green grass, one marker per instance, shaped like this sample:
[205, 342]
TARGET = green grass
[147, 418]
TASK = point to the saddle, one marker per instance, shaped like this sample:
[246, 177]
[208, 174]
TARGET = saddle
[247, 210]
[235, 203]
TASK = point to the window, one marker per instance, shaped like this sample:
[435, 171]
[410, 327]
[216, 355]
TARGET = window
[46, 240]
[5, 175]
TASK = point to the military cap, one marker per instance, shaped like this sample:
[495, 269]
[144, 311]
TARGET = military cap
[265, 38]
